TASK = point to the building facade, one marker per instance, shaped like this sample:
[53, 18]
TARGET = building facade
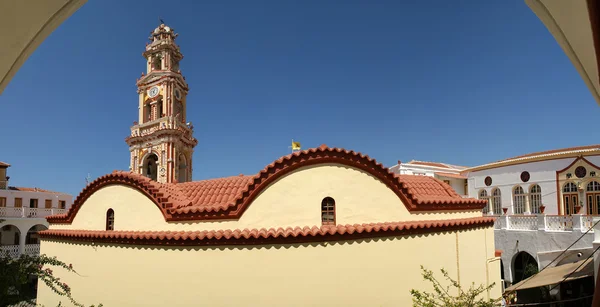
[23, 213]
[543, 202]
[319, 227]
[448, 173]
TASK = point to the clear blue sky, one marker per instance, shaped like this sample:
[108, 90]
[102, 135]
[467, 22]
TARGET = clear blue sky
[463, 82]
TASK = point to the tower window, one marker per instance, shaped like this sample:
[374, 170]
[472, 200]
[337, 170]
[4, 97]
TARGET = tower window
[160, 109]
[157, 63]
[328, 211]
[174, 65]
[151, 168]
[110, 219]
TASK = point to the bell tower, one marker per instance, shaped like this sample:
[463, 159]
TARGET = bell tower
[161, 142]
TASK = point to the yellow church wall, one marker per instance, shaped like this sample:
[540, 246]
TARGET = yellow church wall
[372, 272]
[293, 200]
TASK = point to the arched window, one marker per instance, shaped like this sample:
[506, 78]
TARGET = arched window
[148, 113]
[110, 219]
[484, 195]
[150, 167]
[592, 194]
[182, 169]
[328, 211]
[159, 105]
[497, 201]
[570, 198]
[535, 198]
[519, 200]
[157, 63]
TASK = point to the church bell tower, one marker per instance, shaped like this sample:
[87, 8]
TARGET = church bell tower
[161, 143]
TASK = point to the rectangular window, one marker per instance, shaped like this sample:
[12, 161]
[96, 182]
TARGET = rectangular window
[2, 201]
[447, 182]
[18, 202]
[466, 188]
[33, 203]
[62, 204]
[48, 203]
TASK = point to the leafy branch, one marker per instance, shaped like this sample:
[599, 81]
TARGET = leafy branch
[441, 296]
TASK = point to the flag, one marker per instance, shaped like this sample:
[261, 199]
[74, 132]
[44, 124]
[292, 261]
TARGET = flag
[295, 145]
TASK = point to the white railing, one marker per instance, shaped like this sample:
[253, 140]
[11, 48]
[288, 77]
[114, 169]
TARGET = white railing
[29, 212]
[32, 249]
[587, 221]
[12, 250]
[523, 222]
[543, 222]
[559, 222]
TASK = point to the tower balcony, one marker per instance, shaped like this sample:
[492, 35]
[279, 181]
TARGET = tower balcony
[163, 124]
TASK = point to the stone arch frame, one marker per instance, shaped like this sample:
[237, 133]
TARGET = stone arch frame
[32, 231]
[9, 225]
[514, 258]
[144, 159]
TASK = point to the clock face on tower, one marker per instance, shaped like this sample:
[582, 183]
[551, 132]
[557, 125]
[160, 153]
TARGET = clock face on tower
[153, 92]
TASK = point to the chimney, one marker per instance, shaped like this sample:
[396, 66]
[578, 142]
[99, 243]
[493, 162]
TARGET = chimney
[399, 162]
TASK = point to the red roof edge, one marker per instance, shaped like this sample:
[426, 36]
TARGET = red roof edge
[177, 208]
[267, 236]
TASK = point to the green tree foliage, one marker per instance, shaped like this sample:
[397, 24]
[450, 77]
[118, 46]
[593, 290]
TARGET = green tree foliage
[16, 274]
[452, 295]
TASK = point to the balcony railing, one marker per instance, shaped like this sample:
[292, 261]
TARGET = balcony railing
[25, 212]
[13, 250]
[555, 223]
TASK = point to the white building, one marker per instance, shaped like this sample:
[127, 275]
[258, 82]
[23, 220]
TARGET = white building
[23, 213]
[448, 173]
[544, 202]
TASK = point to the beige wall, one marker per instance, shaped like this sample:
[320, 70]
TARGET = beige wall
[293, 200]
[377, 272]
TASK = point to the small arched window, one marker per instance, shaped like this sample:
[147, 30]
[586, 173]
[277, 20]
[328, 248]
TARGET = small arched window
[496, 201]
[569, 187]
[535, 198]
[157, 62]
[484, 195]
[328, 211]
[519, 200]
[110, 219]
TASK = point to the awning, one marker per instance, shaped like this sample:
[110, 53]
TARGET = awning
[450, 175]
[555, 275]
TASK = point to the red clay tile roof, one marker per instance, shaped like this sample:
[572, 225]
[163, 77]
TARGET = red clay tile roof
[228, 198]
[4, 164]
[23, 189]
[266, 236]
[218, 192]
[450, 175]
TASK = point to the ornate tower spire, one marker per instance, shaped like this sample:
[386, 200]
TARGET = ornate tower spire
[161, 141]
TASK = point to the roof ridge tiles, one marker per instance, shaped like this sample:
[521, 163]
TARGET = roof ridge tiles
[210, 199]
[270, 235]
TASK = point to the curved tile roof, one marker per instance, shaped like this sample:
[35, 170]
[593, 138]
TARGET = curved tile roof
[265, 236]
[228, 198]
